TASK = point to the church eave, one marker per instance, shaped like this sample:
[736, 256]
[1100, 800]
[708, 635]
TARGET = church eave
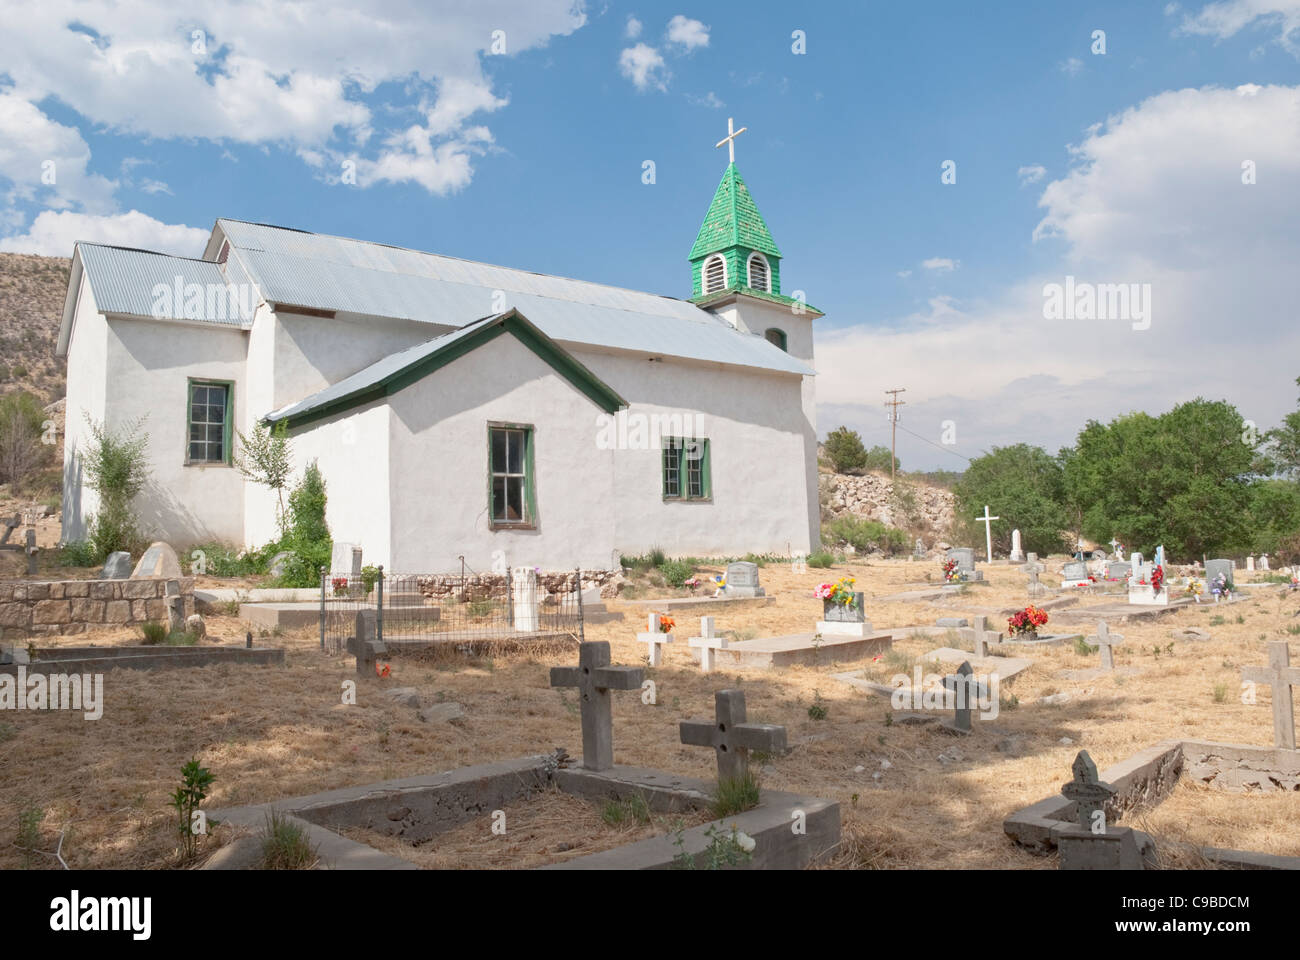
[720, 297]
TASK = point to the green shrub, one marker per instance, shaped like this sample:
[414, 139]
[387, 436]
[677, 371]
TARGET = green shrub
[154, 633]
[676, 572]
[117, 468]
[821, 559]
[285, 845]
[845, 450]
[307, 534]
[634, 809]
[735, 795]
[865, 535]
[223, 560]
[78, 553]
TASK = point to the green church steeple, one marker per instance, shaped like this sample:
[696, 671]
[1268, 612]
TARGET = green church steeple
[723, 257]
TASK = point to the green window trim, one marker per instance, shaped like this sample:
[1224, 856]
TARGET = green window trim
[227, 426]
[503, 480]
[685, 477]
[777, 337]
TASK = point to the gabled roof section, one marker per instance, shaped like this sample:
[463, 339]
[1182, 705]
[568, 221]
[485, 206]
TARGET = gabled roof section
[733, 220]
[372, 279]
[399, 370]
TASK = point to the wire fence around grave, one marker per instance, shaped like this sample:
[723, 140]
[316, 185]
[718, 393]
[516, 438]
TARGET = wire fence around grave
[467, 613]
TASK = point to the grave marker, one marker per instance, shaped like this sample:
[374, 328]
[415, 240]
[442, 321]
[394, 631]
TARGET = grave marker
[1075, 574]
[525, 600]
[158, 561]
[730, 736]
[708, 644]
[595, 678]
[966, 689]
[742, 580]
[1104, 640]
[655, 638]
[1017, 555]
[1281, 677]
[1087, 790]
[1093, 844]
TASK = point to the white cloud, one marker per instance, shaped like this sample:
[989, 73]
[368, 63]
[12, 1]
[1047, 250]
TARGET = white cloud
[35, 149]
[633, 28]
[1031, 174]
[1219, 256]
[687, 33]
[1071, 67]
[942, 264]
[268, 79]
[53, 234]
[710, 99]
[644, 66]
[1227, 18]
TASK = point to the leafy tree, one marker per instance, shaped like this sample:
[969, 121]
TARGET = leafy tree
[116, 465]
[21, 450]
[1181, 479]
[1283, 445]
[845, 449]
[265, 458]
[1024, 486]
[306, 534]
[1275, 513]
[879, 458]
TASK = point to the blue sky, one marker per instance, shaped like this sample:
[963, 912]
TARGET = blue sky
[533, 158]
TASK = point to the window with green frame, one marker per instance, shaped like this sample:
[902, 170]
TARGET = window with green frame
[510, 465]
[209, 422]
[686, 469]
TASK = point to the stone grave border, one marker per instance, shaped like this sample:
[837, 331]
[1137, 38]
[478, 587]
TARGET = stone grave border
[443, 801]
[99, 659]
[1147, 777]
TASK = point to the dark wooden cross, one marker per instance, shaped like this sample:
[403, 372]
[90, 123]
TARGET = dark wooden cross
[1281, 676]
[1087, 790]
[594, 678]
[730, 736]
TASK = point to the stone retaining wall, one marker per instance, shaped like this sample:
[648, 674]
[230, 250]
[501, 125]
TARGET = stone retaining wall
[75, 606]
[480, 585]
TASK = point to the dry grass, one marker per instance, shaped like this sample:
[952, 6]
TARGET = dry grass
[274, 733]
[549, 827]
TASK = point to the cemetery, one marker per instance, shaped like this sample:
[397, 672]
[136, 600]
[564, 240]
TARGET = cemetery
[408, 770]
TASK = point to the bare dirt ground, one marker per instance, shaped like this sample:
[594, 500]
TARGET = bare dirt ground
[910, 796]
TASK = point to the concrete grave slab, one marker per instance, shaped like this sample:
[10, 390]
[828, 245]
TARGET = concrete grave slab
[801, 648]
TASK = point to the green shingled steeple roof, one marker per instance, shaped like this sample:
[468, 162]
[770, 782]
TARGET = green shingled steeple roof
[733, 220]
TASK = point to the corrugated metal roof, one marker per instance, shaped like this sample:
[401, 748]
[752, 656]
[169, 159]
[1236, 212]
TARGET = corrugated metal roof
[335, 273]
[130, 281]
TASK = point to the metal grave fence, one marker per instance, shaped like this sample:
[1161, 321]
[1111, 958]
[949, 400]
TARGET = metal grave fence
[469, 613]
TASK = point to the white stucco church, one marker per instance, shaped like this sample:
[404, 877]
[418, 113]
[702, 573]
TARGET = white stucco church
[455, 408]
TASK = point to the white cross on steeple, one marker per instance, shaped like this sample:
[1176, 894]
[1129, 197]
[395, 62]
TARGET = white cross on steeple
[730, 138]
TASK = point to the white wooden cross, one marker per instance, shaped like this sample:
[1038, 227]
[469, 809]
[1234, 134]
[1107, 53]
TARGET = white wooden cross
[1281, 676]
[708, 644]
[730, 138]
[1105, 640]
[988, 532]
[655, 638]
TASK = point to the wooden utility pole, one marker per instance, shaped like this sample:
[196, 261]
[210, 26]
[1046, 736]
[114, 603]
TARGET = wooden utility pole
[893, 405]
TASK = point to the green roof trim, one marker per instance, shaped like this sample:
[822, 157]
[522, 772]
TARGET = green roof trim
[704, 300]
[455, 346]
[733, 220]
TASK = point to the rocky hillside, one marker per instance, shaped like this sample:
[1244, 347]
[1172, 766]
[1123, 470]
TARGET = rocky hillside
[32, 289]
[921, 509]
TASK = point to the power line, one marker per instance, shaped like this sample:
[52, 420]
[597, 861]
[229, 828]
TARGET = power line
[893, 405]
[936, 445]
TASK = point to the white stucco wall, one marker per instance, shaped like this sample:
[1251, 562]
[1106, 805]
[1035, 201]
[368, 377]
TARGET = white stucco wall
[757, 431]
[352, 453]
[86, 394]
[148, 365]
[439, 480]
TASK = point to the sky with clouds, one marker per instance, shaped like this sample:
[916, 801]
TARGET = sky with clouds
[927, 169]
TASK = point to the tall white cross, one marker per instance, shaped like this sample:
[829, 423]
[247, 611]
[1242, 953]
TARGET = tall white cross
[988, 532]
[730, 138]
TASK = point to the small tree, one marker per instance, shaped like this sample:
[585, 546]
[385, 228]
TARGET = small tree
[117, 467]
[21, 450]
[306, 532]
[265, 458]
[879, 458]
[845, 450]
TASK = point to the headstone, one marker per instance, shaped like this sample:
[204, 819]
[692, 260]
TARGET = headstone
[595, 678]
[965, 689]
[1250, 564]
[1105, 640]
[1017, 555]
[965, 557]
[1091, 843]
[1281, 676]
[1160, 556]
[366, 643]
[1076, 574]
[345, 559]
[918, 550]
[525, 599]
[708, 644]
[845, 619]
[655, 638]
[1140, 589]
[730, 736]
[980, 636]
[1031, 557]
[742, 580]
[117, 566]
[1263, 561]
[1216, 568]
[175, 606]
[158, 561]
[1035, 588]
[1118, 570]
